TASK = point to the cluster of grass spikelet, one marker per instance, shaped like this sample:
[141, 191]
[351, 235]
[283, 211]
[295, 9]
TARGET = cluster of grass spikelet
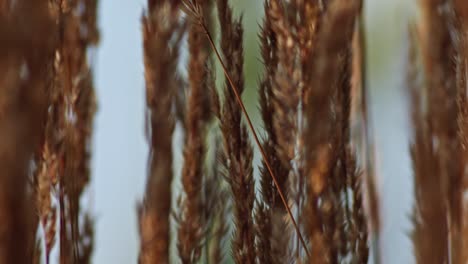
[315, 199]
[307, 205]
[47, 106]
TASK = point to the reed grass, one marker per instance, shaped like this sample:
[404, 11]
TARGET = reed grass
[315, 199]
[438, 89]
[22, 115]
[47, 110]
[160, 69]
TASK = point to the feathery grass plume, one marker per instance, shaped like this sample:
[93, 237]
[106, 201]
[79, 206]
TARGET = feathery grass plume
[219, 232]
[27, 42]
[192, 228]
[238, 152]
[280, 98]
[461, 10]
[263, 228]
[345, 218]
[195, 11]
[45, 182]
[430, 244]
[306, 24]
[285, 84]
[162, 32]
[46, 157]
[358, 233]
[72, 111]
[461, 22]
[272, 246]
[340, 211]
[327, 133]
[438, 43]
[216, 207]
[287, 34]
[50, 154]
[49, 157]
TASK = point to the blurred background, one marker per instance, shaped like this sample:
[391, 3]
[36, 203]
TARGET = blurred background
[120, 148]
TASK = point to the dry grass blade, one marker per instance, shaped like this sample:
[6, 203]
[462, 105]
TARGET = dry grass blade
[194, 7]
[45, 182]
[192, 225]
[286, 86]
[430, 209]
[77, 34]
[263, 228]
[47, 165]
[461, 10]
[284, 99]
[272, 244]
[237, 148]
[327, 134]
[438, 40]
[27, 42]
[160, 25]
[217, 208]
[68, 135]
